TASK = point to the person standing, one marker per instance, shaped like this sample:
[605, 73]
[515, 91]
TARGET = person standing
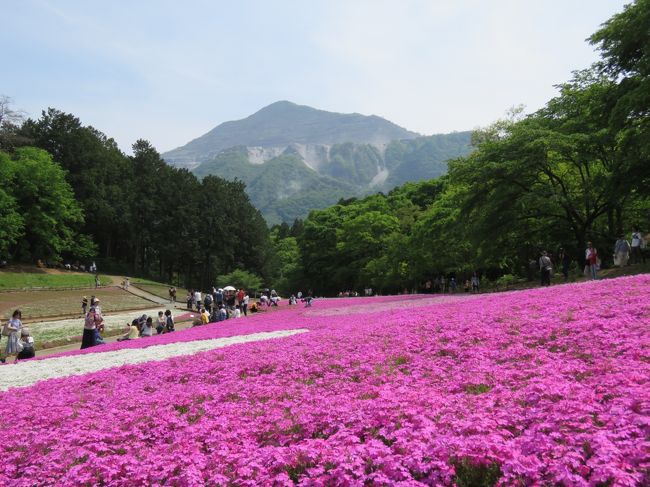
[244, 304]
[197, 300]
[565, 261]
[97, 281]
[591, 261]
[207, 302]
[621, 252]
[92, 321]
[475, 282]
[12, 330]
[84, 305]
[545, 268]
[637, 246]
[452, 285]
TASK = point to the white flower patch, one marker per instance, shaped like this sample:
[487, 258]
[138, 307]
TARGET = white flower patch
[29, 372]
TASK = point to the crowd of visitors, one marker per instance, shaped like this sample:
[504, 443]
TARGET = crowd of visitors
[144, 326]
[624, 253]
[448, 283]
[221, 304]
[93, 333]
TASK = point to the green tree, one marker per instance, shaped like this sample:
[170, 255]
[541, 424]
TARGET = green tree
[241, 279]
[46, 202]
[12, 223]
[99, 173]
[624, 43]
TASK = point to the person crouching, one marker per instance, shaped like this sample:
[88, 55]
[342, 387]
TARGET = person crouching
[27, 342]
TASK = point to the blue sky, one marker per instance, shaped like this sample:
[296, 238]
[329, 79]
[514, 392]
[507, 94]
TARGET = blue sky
[169, 71]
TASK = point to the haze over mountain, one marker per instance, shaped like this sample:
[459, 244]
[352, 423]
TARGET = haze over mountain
[295, 158]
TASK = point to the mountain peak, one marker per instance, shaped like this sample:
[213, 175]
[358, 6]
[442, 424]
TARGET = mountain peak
[282, 106]
[283, 123]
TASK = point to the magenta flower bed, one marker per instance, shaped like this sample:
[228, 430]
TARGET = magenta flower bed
[539, 387]
[270, 319]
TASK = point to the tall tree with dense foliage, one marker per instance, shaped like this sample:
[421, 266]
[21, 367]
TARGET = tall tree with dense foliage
[147, 217]
[44, 201]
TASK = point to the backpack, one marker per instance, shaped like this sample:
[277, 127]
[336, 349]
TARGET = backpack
[208, 300]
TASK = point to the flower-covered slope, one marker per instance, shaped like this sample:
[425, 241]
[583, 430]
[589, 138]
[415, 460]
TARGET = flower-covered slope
[538, 387]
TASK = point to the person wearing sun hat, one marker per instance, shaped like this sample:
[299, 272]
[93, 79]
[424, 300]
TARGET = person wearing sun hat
[27, 342]
[93, 323]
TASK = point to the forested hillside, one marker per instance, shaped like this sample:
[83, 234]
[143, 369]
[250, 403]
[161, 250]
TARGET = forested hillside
[575, 171]
[295, 158]
[70, 194]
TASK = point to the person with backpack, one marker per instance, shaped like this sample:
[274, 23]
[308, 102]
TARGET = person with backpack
[545, 268]
[207, 302]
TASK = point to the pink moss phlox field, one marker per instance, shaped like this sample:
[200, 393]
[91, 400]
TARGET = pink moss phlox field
[540, 387]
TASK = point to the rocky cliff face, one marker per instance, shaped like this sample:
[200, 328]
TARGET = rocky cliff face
[295, 158]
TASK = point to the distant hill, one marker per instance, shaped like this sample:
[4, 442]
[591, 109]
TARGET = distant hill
[282, 124]
[295, 158]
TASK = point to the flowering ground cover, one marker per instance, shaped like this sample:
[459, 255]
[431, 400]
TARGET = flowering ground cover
[28, 372]
[540, 387]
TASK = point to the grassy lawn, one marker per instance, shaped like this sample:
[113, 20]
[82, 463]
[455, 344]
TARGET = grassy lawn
[158, 289]
[22, 280]
[35, 304]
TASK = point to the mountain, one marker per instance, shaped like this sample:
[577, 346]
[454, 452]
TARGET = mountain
[295, 158]
[283, 124]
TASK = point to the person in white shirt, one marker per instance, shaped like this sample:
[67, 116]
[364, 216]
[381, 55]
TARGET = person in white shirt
[147, 328]
[197, 300]
[637, 246]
